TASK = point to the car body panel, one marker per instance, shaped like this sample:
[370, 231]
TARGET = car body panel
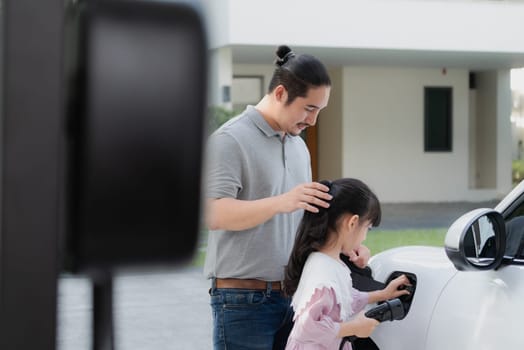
[433, 270]
[479, 310]
[451, 309]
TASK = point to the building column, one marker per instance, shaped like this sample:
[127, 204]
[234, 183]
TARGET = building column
[220, 77]
[503, 115]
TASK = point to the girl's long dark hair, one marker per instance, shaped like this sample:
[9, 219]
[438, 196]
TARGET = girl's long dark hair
[350, 196]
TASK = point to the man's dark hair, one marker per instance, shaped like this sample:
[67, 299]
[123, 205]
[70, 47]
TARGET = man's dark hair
[297, 73]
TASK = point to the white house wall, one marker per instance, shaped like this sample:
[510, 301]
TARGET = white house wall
[373, 129]
[482, 26]
[383, 134]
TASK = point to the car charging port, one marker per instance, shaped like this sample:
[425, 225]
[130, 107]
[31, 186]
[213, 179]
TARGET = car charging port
[388, 310]
[405, 299]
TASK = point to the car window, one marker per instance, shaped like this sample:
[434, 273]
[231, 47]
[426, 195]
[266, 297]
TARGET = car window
[514, 237]
[518, 211]
[480, 242]
[514, 218]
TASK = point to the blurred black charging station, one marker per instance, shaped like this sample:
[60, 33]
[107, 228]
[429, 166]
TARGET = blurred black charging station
[121, 161]
[134, 132]
[135, 128]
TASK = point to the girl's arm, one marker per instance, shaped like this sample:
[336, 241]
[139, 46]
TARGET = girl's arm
[361, 326]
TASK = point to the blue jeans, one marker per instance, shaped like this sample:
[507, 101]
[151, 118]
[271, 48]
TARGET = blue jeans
[248, 319]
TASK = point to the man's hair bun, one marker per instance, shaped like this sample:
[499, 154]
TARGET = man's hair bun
[284, 53]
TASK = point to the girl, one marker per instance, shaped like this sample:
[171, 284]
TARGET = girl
[324, 301]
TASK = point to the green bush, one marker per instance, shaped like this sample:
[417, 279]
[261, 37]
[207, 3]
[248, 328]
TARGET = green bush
[517, 171]
[218, 116]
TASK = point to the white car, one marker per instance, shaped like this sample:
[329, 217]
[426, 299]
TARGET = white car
[469, 295]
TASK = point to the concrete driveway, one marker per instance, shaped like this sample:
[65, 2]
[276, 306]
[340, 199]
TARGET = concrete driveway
[155, 311]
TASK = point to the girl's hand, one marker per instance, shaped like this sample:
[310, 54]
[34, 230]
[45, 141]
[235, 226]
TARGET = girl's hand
[359, 256]
[364, 326]
[392, 289]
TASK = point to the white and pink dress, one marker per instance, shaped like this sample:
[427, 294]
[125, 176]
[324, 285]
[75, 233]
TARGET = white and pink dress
[324, 299]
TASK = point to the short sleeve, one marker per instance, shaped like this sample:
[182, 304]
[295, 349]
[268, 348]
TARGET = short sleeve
[223, 166]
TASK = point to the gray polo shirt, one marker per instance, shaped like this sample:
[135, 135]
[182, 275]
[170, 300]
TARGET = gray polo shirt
[248, 160]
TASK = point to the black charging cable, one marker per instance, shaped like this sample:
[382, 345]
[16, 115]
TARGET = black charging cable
[389, 310]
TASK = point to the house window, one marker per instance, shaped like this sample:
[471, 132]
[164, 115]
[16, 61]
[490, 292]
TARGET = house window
[246, 90]
[437, 119]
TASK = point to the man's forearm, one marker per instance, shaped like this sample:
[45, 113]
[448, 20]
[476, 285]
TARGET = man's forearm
[235, 215]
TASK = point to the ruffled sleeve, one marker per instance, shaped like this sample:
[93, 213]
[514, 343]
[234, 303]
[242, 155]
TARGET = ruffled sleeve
[318, 322]
[359, 300]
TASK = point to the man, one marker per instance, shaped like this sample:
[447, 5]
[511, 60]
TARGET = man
[258, 185]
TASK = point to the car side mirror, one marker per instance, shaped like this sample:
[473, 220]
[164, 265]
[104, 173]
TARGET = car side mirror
[477, 240]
